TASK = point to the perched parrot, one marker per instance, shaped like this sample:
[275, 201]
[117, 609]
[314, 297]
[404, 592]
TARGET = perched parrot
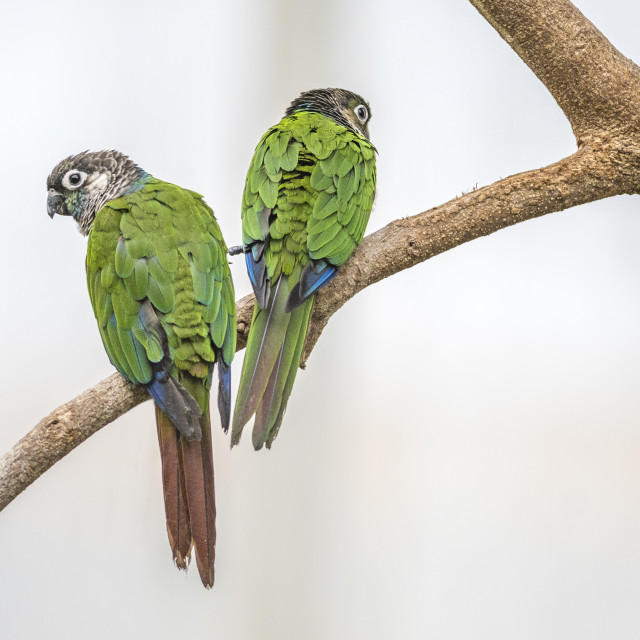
[306, 203]
[162, 294]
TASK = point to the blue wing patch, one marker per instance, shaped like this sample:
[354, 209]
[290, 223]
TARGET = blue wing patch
[315, 275]
[257, 270]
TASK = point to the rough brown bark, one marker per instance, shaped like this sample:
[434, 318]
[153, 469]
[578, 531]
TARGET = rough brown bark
[592, 82]
[599, 91]
[63, 430]
[585, 176]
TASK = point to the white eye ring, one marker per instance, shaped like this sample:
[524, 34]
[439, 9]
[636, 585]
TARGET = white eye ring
[362, 113]
[73, 179]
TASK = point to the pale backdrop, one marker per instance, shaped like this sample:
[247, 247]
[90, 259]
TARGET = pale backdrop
[459, 460]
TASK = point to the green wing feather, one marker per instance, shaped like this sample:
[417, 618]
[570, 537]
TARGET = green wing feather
[161, 291]
[308, 195]
[163, 244]
[346, 182]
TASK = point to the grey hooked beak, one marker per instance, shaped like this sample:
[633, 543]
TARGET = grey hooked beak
[56, 204]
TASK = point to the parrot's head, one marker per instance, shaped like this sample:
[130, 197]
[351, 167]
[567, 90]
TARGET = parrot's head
[81, 185]
[346, 108]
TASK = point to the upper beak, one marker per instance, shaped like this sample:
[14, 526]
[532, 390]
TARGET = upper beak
[56, 204]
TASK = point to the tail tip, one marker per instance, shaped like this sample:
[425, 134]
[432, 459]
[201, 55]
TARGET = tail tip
[181, 562]
[235, 438]
[258, 440]
[207, 580]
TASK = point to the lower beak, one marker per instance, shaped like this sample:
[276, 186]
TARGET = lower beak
[56, 204]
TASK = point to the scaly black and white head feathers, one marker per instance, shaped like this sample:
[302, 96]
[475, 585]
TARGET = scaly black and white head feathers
[81, 185]
[344, 107]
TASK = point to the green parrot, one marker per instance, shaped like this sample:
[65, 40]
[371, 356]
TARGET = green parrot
[162, 294]
[307, 200]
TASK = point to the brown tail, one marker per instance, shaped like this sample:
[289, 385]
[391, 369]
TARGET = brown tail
[189, 498]
[197, 461]
[173, 486]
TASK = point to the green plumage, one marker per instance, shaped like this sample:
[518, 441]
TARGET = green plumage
[161, 290]
[319, 180]
[308, 195]
[163, 244]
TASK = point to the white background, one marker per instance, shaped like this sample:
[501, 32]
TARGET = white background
[460, 458]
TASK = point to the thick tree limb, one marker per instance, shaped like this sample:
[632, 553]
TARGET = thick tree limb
[592, 82]
[583, 177]
[63, 430]
[599, 91]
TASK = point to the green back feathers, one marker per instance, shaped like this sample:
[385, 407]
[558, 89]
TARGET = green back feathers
[310, 188]
[308, 196]
[161, 243]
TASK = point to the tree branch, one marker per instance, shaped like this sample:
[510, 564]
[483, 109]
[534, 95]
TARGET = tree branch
[583, 177]
[592, 82]
[599, 91]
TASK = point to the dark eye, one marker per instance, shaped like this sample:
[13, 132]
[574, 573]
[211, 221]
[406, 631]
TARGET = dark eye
[73, 179]
[362, 113]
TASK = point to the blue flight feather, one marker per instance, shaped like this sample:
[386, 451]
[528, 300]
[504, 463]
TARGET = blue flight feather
[178, 405]
[315, 275]
[224, 392]
[257, 270]
[248, 258]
